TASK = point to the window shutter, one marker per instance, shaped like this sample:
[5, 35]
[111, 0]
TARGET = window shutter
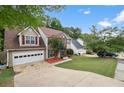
[23, 39]
[36, 40]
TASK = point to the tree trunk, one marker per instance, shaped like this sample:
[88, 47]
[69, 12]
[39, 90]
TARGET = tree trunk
[56, 54]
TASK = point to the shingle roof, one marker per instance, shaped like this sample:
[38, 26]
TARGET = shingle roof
[11, 40]
[49, 32]
[77, 44]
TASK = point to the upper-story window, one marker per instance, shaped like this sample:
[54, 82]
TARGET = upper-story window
[33, 40]
[27, 40]
[30, 40]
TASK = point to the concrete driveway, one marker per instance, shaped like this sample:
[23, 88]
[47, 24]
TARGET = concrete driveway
[46, 75]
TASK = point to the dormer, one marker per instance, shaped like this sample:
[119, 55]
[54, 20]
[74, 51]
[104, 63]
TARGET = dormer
[29, 37]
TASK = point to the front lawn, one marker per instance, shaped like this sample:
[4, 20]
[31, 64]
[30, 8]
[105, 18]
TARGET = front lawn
[103, 66]
[6, 77]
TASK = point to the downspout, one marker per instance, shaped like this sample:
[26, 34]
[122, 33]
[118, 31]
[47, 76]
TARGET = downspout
[7, 64]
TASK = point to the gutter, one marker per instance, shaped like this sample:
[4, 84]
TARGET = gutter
[25, 49]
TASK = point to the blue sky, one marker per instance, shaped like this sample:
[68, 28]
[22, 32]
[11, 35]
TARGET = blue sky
[85, 16]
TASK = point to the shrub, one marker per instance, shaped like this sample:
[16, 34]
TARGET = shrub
[56, 44]
[89, 52]
[69, 52]
[63, 53]
[2, 58]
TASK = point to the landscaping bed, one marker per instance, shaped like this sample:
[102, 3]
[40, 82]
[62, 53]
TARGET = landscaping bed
[54, 60]
[6, 77]
[103, 66]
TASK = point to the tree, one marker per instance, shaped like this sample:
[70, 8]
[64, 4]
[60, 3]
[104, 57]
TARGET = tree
[90, 41]
[24, 15]
[48, 21]
[1, 39]
[56, 24]
[93, 30]
[21, 16]
[108, 39]
[111, 36]
[56, 44]
[72, 32]
[116, 44]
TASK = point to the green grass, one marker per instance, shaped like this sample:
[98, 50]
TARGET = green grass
[103, 66]
[6, 77]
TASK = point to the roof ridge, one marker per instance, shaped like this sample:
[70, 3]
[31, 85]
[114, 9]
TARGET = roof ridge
[53, 29]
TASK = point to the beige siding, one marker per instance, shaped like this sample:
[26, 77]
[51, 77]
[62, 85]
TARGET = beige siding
[29, 32]
[10, 60]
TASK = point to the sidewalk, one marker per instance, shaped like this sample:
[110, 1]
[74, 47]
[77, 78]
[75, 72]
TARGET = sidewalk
[119, 73]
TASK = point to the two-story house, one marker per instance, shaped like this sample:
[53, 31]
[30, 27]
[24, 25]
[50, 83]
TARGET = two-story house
[30, 45]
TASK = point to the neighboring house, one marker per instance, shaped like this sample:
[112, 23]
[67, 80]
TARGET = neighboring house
[23, 47]
[78, 47]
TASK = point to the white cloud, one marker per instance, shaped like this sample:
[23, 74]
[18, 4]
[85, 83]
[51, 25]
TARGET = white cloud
[80, 10]
[119, 18]
[113, 22]
[86, 12]
[105, 23]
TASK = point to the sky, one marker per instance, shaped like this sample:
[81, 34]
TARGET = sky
[84, 16]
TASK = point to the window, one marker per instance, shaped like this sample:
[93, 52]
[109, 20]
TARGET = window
[35, 54]
[16, 57]
[31, 40]
[38, 54]
[20, 56]
[28, 55]
[27, 39]
[24, 55]
[32, 54]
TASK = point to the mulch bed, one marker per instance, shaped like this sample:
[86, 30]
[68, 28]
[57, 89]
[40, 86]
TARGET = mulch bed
[54, 60]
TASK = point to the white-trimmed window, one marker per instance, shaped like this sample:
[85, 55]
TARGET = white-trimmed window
[33, 40]
[30, 40]
[27, 39]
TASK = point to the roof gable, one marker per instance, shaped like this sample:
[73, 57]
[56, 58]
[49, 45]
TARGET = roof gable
[30, 29]
[11, 40]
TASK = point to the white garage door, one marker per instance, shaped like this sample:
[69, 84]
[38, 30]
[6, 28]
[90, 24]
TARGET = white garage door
[27, 57]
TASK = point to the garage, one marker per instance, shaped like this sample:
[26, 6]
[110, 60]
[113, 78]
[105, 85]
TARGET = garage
[23, 57]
